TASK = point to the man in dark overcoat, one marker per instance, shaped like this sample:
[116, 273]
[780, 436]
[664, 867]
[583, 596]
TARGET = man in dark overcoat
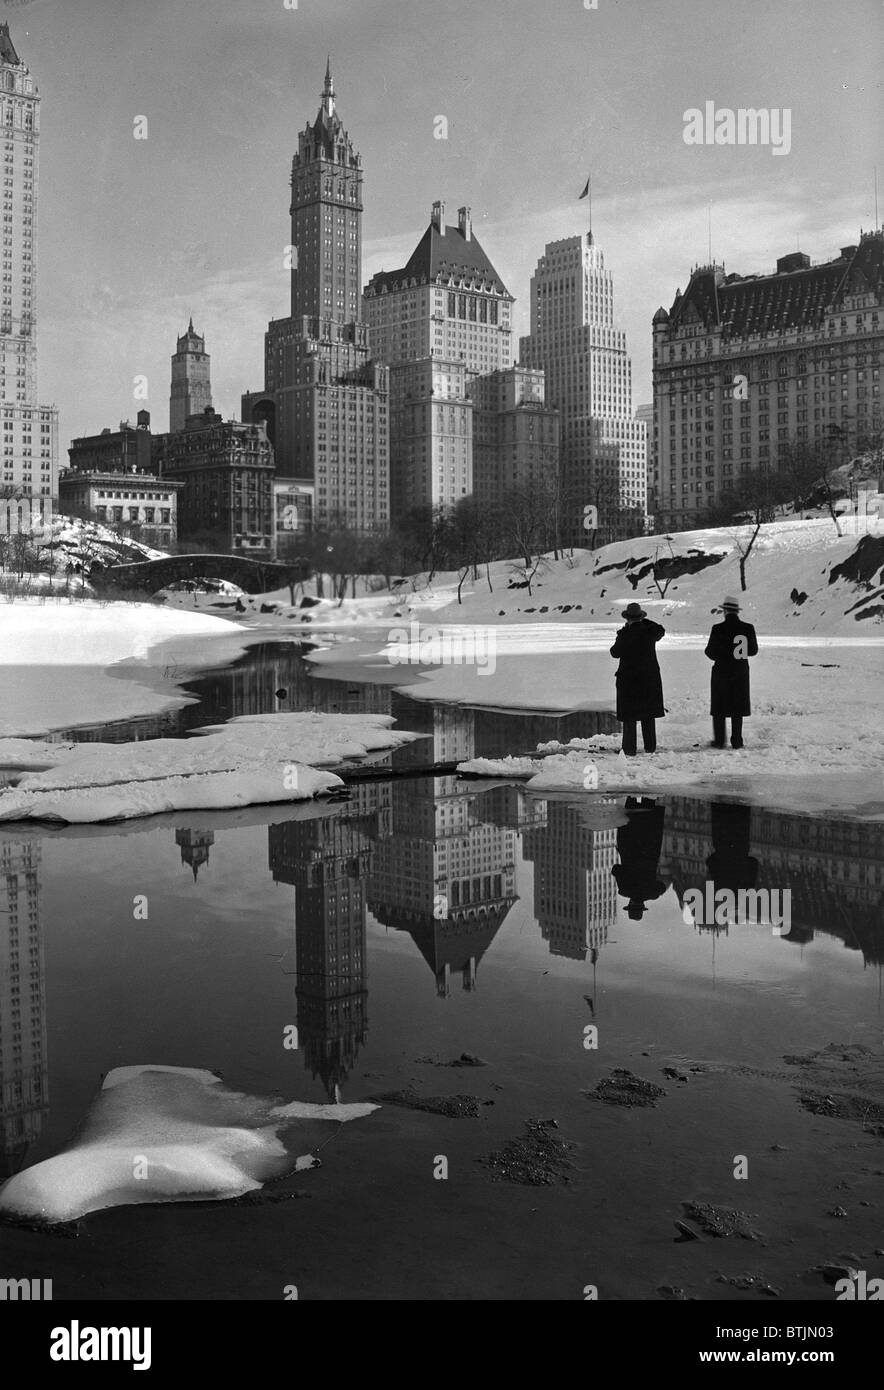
[731, 644]
[639, 686]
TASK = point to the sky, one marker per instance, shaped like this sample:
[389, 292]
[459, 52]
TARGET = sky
[134, 236]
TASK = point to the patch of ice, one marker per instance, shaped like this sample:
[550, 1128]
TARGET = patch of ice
[500, 767]
[167, 1134]
[252, 760]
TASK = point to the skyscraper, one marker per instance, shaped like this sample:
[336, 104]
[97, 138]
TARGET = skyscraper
[447, 302]
[328, 860]
[444, 876]
[24, 1076]
[324, 401]
[191, 392]
[575, 897]
[589, 380]
[30, 431]
[464, 421]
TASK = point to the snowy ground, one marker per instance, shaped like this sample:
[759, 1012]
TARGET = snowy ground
[66, 662]
[813, 740]
[788, 557]
[70, 537]
[814, 736]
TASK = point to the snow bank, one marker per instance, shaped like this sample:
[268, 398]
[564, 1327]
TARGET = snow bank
[64, 632]
[788, 557]
[71, 536]
[167, 1134]
[61, 660]
[253, 760]
[789, 762]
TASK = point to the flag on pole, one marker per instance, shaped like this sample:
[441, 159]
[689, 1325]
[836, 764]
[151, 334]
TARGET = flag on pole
[585, 193]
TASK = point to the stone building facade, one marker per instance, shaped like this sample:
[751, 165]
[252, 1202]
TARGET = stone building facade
[746, 365]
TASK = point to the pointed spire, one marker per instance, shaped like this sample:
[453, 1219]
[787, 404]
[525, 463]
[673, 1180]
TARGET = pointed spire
[328, 90]
[190, 325]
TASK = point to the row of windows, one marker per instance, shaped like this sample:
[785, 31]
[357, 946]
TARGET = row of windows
[472, 307]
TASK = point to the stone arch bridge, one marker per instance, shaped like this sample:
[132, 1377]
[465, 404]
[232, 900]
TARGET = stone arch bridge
[254, 576]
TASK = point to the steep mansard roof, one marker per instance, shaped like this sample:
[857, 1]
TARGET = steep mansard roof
[7, 48]
[798, 295]
[446, 254]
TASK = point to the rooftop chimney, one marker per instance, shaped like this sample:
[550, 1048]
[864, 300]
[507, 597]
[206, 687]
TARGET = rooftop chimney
[847, 252]
[437, 218]
[464, 222]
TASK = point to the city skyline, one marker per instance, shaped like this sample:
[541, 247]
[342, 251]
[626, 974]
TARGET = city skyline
[207, 180]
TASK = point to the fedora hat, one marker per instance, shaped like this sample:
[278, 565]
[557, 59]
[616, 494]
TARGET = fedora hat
[633, 610]
[731, 603]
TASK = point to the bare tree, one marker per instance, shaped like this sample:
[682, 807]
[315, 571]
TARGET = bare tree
[521, 526]
[753, 499]
[661, 579]
[473, 536]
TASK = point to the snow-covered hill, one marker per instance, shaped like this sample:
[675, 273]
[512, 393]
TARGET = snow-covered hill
[71, 538]
[801, 577]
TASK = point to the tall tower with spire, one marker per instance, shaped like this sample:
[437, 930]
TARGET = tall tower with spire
[191, 390]
[325, 403]
[326, 212]
[30, 431]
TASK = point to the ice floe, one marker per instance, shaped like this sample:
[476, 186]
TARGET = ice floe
[255, 759]
[168, 1134]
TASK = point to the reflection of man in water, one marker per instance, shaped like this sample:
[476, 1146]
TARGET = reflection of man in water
[730, 864]
[639, 843]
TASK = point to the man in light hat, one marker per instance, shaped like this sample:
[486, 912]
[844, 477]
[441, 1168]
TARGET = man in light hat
[639, 685]
[731, 644]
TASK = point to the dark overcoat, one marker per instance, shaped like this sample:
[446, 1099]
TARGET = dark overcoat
[639, 844]
[730, 670]
[639, 686]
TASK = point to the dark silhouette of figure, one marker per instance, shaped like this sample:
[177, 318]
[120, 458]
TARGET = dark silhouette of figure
[730, 645]
[730, 864]
[639, 843]
[639, 685]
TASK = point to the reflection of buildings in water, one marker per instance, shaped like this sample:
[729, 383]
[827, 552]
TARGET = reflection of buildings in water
[834, 869]
[498, 733]
[511, 807]
[327, 860]
[443, 876]
[575, 898]
[194, 845]
[24, 1067]
[250, 686]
